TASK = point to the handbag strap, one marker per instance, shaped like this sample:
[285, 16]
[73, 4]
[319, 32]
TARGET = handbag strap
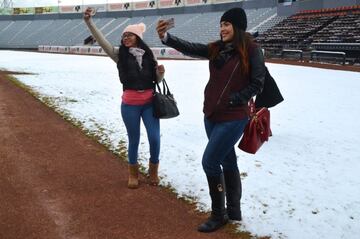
[252, 108]
[228, 82]
[165, 88]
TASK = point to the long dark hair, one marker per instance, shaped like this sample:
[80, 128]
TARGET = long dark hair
[124, 53]
[241, 41]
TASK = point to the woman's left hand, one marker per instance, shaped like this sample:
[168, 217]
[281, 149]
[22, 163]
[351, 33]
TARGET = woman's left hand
[161, 69]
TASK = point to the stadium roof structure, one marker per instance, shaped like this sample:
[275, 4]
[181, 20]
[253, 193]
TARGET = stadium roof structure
[6, 4]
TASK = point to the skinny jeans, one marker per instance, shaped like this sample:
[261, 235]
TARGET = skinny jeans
[219, 152]
[132, 115]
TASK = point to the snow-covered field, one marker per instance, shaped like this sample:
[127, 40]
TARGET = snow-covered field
[303, 183]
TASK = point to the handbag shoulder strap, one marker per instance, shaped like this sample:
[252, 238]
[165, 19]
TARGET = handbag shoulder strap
[252, 108]
[165, 87]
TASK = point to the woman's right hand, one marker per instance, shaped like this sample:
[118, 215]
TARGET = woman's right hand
[88, 14]
[161, 28]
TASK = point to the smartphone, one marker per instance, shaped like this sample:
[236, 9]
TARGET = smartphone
[170, 23]
[93, 11]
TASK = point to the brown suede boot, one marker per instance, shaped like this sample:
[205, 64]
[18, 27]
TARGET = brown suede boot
[133, 176]
[153, 174]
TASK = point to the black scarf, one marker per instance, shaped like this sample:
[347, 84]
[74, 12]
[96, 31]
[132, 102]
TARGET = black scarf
[227, 50]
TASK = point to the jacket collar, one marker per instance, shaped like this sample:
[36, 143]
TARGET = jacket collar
[227, 50]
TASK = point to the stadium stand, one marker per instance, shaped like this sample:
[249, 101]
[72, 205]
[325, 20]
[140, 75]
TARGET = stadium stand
[70, 32]
[331, 29]
[298, 31]
[325, 25]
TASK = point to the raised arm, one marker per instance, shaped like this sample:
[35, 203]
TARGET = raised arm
[111, 51]
[185, 47]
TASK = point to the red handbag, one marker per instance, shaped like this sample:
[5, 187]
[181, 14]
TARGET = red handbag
[257, 131]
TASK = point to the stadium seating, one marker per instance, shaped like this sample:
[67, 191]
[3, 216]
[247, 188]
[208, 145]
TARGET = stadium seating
[72, 32]
[332, 25]
[301, 31]
[10, 33]
[345, 29]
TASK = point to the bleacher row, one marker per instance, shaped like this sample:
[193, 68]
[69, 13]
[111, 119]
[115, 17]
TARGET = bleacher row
[332, 25]
[330, 10]
[324, 29]
[69, 32]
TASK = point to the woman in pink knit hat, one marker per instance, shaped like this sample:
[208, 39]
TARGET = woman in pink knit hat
[138, 72]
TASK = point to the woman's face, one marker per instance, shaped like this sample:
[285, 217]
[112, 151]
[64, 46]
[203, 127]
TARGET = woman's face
[226, 31]
[129, 39]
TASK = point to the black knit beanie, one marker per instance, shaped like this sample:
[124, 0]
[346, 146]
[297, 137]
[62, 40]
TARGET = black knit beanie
[236, 16]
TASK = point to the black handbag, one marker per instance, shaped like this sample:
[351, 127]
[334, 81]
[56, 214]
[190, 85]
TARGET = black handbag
[270, 95]
[164, 104]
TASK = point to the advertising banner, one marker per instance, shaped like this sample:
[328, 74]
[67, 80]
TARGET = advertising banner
[74, 49]
[120, 7]
[159, 52]
[197, 2]
[46, 10]
[70, 9]
[47, 48]
[225, 1]
[166, 53]
[6, 11]
[170, 3]
[23, 10]
[144, 5]
[97, 7]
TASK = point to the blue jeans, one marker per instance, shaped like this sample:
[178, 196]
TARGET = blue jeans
[131, 115]
[220, 149]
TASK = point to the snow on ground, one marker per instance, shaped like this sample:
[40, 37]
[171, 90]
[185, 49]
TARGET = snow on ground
[303, 183]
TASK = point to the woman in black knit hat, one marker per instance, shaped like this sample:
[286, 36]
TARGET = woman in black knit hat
[237, 73]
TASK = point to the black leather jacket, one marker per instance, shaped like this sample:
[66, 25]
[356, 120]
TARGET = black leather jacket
[135, 78]
[257, 67]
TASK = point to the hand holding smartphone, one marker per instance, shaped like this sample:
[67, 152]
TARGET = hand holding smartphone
[170, 23]
[164, 25]
[89, 12]
[92, 11]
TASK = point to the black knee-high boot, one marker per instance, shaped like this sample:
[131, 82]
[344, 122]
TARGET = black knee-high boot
[218, 216]
[233, 194]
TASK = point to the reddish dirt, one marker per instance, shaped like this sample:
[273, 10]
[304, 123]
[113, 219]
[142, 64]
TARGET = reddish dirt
[57, 183]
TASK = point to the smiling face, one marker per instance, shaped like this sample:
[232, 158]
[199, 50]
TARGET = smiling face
[129, 39]
[226, 31]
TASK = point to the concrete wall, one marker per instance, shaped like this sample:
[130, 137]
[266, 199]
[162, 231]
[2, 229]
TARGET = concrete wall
[335, 3]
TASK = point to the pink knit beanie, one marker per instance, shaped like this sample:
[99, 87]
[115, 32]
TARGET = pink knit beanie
[137, 29]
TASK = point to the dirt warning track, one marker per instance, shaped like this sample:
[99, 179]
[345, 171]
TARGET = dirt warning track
[57, 183]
